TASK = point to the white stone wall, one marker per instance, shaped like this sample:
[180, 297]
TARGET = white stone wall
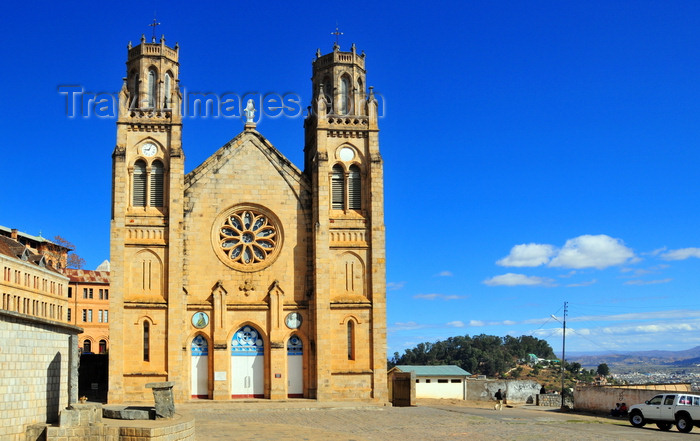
[517, 391]
[440, 390]
[34, 360]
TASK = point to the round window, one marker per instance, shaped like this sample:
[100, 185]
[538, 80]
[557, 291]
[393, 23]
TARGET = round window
[247, 238]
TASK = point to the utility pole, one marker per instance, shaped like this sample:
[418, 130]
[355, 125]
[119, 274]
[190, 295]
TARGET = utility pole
[563, 355]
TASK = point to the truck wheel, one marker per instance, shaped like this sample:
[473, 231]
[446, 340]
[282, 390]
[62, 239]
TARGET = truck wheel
[637, 419]
[684, 423]
[664, 426]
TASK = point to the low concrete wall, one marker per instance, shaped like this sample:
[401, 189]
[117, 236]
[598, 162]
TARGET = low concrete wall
[601, 399]
[517, 391]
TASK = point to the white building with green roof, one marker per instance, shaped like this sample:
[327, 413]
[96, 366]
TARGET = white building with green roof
[446, 381]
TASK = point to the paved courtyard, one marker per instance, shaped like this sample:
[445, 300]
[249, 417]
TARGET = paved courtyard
[430, 420]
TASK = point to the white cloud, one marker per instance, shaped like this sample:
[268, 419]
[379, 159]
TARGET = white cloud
[647, 282]
[434, 296]
[445, 274]
[588, 283]
[456, 324]
[512, 279]
[476, 323]
[678, 314]
[653, 328]
[588, 251]
[527, 255]
[394, 286]
[407, 326]
[681, 254]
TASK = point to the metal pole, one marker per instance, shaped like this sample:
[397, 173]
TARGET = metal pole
[563, 356]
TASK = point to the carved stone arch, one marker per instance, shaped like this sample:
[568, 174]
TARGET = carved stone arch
[152, 83]
[147, 318]
[168, 86]
[350, 276]
[345, 94]
[99, 342]
[257, 326]
[192, 335]
[91, 342]
[328, 92]
[159, 154]
[146, 276]
[339, 165]
[299, 333]
[349, 317]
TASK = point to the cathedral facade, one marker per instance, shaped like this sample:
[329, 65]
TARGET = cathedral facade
[247, 277]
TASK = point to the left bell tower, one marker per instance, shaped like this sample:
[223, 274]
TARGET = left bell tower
[146, 240]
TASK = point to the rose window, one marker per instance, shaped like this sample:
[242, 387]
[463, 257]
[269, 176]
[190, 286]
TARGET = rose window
[248, 238]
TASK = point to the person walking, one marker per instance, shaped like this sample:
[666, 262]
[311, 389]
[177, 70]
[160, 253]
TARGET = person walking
[499, 398]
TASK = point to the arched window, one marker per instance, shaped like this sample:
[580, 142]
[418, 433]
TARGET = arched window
[103, 346]
[338, 188]
[139, 190]
[351, 340]
[146, 341]
[328, 91]
[152, 88]
[157, 184]
[87, 347]
[354, 188]
[168, 87]
[345, 96]
[135, 87]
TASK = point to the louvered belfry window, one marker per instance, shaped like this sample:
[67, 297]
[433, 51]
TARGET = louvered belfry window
[157, 184]
[354, 189]
[152, 88]
[139, 193]
[168, 88]
[338, 188]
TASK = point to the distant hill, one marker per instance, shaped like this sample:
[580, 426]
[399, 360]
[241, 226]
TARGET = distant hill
[688, 357]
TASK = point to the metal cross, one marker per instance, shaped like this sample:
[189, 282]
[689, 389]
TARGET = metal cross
[337, 33]
[153, 25]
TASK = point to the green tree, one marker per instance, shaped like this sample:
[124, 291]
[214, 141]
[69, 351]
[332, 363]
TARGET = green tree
[603, 369]
[482, 354]
[574, 367]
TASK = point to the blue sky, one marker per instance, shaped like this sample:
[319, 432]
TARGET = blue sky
[535, 152]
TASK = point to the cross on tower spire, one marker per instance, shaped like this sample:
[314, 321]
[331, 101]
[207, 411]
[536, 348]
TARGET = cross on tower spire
[153, 25]
[337, 34]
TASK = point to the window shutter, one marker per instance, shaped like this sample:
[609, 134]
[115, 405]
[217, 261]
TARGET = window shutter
[152, 91]
[139, 193]
[157, 184]
[354, 189]
[338, 188]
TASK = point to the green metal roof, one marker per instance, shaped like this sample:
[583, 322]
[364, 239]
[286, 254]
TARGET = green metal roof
[434, 371]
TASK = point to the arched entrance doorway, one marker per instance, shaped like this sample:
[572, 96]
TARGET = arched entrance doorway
[295, 368]
[199, 353]
[247, 364]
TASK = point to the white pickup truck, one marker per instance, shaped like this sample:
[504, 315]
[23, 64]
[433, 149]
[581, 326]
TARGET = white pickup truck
[680, 408]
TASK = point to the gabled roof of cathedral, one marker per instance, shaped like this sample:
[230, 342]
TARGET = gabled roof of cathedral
[284, 166]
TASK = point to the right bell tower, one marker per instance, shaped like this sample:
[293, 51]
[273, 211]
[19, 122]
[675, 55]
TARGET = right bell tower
[347, 300]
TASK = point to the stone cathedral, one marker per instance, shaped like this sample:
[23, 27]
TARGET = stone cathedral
[247, 277]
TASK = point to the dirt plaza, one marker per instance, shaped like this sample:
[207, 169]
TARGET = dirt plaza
[430, 420]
